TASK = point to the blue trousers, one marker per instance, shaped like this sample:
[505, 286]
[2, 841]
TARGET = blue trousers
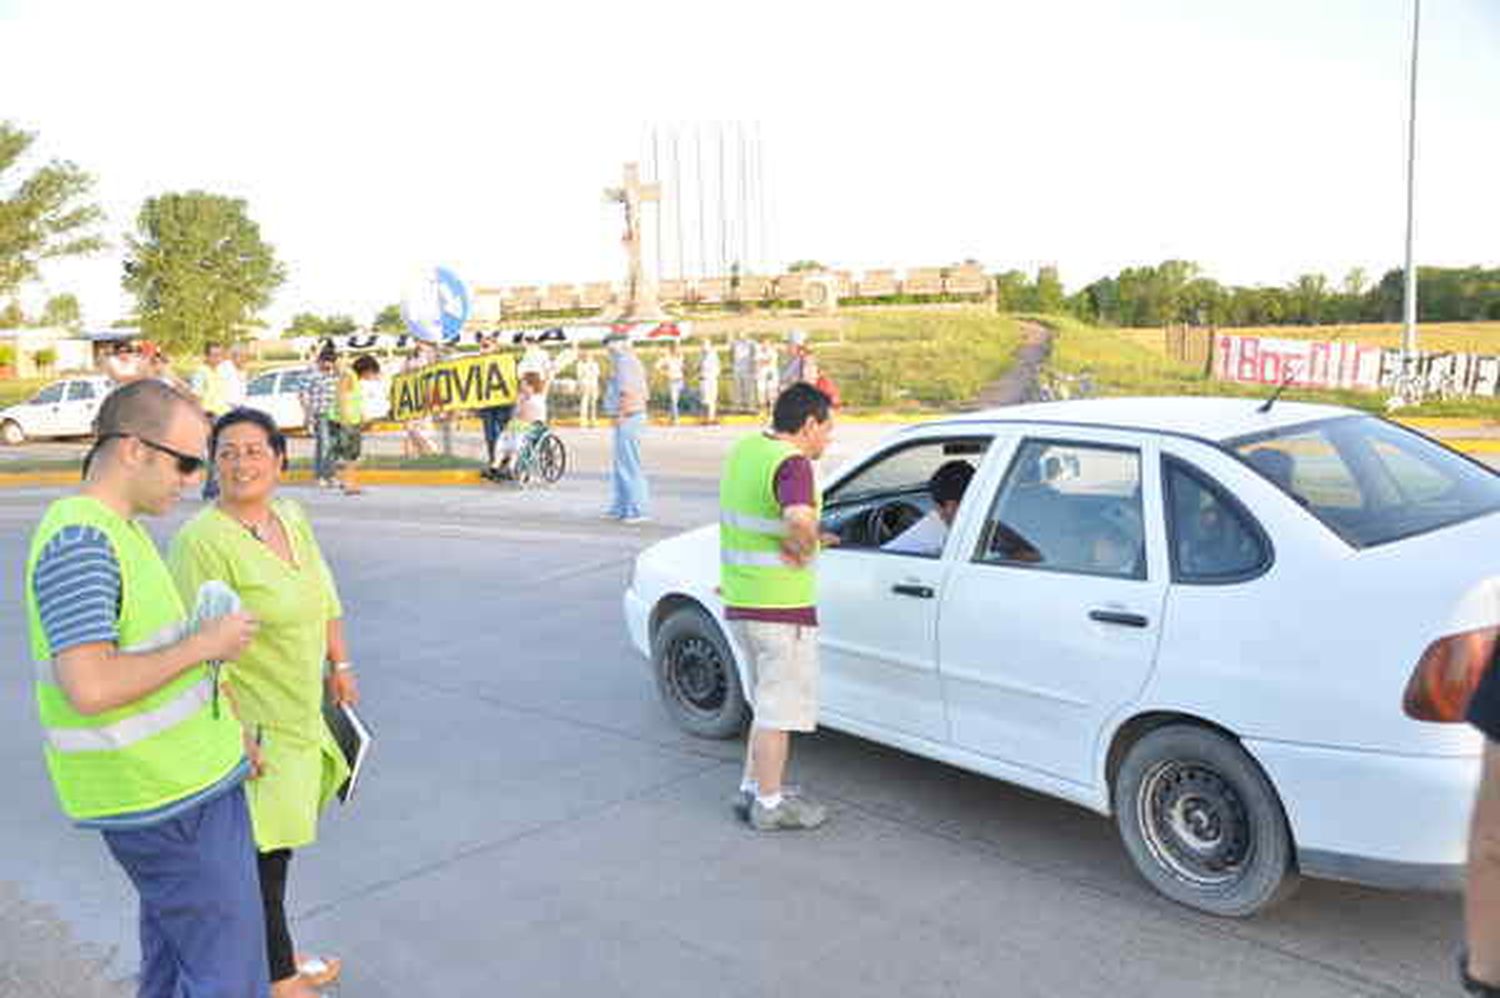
[203, 932]
[631, 494]
[322, 428]
[493, 419]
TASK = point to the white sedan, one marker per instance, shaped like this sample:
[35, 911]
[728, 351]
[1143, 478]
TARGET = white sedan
[64, 408]
[1235, 630]
[277, 393]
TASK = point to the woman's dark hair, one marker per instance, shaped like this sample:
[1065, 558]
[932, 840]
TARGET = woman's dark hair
[798, 402]
[364, 363]
[244, 414]
[949, 482]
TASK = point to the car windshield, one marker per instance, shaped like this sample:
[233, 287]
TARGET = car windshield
[1369, 481]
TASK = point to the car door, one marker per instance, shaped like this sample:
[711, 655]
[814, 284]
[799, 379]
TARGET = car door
[260, 394]
[877, 610]
[43, 414]
[1049, 623]
[75, 418]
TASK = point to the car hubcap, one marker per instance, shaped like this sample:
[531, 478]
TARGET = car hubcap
[697, 675]
[1194, 823]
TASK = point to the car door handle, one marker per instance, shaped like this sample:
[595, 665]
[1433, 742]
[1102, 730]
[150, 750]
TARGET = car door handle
[911, 589]
[1117, 617]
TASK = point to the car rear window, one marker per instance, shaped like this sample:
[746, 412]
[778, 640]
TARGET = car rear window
[1370, 481]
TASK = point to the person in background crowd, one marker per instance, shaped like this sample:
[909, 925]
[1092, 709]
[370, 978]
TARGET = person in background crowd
[349, 420]
[625, 403]
[769, 537]
[418, 439]
[493, 418]
[671, 365]
[531, 416]
[124, 363]
[208, 384]
[319, 396]
[766, 375]
[588, 389]
[264, 549]
[800, 364]
[232, 374]
[116, 654]
[742, 364]
[708, 380]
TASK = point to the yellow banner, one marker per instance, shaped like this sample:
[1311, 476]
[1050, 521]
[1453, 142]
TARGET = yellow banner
[468, 383]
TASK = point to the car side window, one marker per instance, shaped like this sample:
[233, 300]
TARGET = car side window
[79, 391]
[1069, 507]
[293, 381]
[888, 505]
[50, 394]
[1213, 539]
[263, 385]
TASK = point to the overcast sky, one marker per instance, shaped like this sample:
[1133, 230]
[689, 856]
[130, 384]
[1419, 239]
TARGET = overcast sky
[1261, 138]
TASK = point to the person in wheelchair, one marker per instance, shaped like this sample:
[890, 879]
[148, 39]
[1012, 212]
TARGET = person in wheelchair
[928, 535]
[528, 423]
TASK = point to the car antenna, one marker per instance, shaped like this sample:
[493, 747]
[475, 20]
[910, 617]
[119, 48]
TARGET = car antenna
[1291, 373]
[1266, 405]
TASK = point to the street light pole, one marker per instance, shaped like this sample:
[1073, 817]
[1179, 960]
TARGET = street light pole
[1409, 303]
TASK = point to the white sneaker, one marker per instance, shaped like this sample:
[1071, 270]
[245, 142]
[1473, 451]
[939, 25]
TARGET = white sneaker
[638, 518]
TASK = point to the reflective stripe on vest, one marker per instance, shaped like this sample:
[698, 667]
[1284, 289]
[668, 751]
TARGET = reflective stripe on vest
[761, 559]
[137, 727]
[753, 524]
[45, 671]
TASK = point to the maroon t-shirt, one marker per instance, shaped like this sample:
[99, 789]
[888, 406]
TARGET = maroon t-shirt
[794, 487]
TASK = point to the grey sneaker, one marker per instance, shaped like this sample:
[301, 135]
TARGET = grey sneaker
[791, 814]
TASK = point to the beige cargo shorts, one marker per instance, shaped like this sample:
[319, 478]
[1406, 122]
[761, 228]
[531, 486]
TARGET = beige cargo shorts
[783, 671]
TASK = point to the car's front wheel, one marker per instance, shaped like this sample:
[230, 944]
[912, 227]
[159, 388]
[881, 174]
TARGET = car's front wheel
[11, 433]
[1202, 823]
[696, 677]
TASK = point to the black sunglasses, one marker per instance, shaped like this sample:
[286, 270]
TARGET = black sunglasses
[187, 464]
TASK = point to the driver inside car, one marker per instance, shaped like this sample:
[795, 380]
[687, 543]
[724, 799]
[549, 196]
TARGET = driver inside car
[928, 535]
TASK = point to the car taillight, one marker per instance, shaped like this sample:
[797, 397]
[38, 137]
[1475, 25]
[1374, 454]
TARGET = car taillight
[1448, 674]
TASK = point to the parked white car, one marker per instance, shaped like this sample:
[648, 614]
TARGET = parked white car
[275, 393]
[1194, 615]
[64, 408]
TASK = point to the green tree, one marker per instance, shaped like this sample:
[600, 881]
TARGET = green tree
[11, 316]
[1048, 296]
[304, 324]
[63, 310]
[199, 269]
[339, 325]
[389, 320]
[43, 215]
[1012, 291]
[800, 266]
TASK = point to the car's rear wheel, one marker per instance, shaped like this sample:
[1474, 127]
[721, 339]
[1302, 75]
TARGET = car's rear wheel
[1202, 823]
[696, 676]
[11, 433]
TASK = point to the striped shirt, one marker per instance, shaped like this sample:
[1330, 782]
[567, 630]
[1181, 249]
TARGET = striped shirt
[77, 585]
[319, 392]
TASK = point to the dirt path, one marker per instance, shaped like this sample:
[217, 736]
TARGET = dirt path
[1019, 383]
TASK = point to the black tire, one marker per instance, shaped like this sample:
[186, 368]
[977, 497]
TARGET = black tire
[696, 677]
[11, 433]
[1202, 823]
[551, 459]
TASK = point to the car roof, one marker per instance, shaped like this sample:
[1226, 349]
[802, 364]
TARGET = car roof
[1214, 419]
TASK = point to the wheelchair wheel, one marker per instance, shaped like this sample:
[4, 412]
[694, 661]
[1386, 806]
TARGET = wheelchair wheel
[549, 459]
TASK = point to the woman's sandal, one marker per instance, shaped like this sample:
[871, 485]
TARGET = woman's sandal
[319, 971]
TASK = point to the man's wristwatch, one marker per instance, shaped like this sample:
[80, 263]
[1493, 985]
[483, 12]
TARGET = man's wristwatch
[342, 666]
[1472, 986]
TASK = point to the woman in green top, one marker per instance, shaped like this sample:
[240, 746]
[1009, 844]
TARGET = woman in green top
[264, 549]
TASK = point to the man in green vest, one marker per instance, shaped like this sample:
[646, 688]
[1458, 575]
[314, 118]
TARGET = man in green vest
[136, 740]
[768, 542]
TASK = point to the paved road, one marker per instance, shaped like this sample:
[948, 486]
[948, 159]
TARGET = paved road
[535, 825]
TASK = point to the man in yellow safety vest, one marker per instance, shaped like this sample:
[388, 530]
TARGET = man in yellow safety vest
[768, 544]
[136, 741]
